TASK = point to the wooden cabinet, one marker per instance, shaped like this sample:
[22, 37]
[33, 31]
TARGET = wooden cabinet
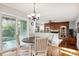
[71, 40]
[56, 25]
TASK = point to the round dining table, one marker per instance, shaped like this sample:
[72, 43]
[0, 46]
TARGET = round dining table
[30, 41]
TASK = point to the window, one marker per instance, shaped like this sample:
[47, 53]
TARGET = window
[22, 25]
[8, 33]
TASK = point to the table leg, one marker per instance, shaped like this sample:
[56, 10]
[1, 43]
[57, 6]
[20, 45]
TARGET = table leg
[30, 50]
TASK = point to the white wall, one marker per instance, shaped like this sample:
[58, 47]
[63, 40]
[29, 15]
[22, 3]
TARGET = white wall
[72, 24]
[12, 12]
[77, 33]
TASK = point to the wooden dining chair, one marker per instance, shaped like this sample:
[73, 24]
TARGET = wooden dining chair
[41, 45]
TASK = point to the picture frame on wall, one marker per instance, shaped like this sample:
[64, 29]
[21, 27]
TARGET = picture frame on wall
[78, 27]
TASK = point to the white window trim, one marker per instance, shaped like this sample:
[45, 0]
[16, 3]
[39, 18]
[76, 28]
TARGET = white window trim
[0, 35]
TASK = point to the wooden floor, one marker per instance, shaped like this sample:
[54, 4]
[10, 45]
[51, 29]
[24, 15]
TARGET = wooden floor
[52, 51]
[65, 44]
[57, 51]
[61, 51]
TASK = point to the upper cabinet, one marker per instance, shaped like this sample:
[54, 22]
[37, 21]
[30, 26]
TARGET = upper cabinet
[56, 25]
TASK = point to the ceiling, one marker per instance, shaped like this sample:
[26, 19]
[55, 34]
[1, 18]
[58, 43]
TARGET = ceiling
[49, 11]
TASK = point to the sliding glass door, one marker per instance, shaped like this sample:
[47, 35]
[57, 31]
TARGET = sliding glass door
[13, 31]
[22, 30]
[8, 33]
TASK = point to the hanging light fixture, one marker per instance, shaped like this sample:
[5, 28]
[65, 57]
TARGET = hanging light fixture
[34, 15]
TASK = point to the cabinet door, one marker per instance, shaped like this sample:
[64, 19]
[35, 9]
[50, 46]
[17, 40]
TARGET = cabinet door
[63, 32]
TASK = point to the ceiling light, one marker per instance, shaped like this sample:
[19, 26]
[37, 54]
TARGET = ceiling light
[34, 15]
